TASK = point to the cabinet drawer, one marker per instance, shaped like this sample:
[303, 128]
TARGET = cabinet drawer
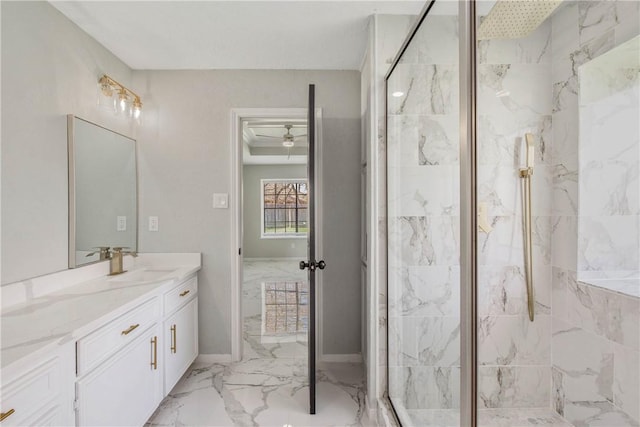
[180, 295]
[110, 338]
[27, 395]
[126, 388]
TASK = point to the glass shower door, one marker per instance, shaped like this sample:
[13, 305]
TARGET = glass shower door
[423, 224]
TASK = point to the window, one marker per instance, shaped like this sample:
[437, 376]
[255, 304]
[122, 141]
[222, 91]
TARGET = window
[285, 207]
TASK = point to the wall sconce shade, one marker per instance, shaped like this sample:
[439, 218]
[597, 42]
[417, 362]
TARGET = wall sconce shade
[116, 97]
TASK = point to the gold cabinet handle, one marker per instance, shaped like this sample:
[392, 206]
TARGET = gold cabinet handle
[185, 292]
[7, 414]
[154, 351]
[174, 340]
[129, 329]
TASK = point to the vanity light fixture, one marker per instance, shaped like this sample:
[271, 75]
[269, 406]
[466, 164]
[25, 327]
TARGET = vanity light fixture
[115, 96]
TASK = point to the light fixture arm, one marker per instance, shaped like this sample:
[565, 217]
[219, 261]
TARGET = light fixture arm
[106, 81]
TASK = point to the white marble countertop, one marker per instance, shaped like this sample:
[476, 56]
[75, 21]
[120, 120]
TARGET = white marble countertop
[37, 324]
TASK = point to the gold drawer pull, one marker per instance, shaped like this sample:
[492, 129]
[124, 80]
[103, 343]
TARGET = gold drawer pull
[174, 339]
[129, 329]
[185, 292]
[154, 349]
[7, 414]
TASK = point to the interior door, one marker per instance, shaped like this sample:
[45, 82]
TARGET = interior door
[310, 264]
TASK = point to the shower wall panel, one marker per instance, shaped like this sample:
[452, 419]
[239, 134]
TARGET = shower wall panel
[514, 98]
[386, 34]
[423, 224]
[595, 356]
[609, 157]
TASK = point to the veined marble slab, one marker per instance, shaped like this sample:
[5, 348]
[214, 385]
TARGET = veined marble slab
[36, 324]
[629, 287]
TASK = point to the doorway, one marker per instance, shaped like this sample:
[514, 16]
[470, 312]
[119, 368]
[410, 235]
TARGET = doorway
[275, 204]
[270, 292]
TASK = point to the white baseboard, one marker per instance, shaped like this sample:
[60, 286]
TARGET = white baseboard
[214, 358]
[341, 358]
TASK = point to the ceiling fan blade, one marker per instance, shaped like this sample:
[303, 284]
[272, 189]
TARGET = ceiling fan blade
[299, 136]
[269, 136]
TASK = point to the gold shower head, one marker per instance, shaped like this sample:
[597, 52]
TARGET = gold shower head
[514, 19]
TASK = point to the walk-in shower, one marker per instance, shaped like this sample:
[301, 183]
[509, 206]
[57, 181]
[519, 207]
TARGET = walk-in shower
[533, 316]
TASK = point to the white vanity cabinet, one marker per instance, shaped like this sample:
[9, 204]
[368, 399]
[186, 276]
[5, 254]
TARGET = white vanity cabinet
[126, 367]
[126, 388]
[40, 393]
[103, 352]
[120, 369]
[180, 331]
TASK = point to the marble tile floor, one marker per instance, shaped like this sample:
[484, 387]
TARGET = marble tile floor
[257, 272]
[269, 387]
[264, 391]
[258, 276]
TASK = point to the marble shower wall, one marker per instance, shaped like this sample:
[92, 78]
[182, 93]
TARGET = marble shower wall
[595, 352]
[423, 224]
[609, 158]
[596, 359]
[514, 354]
[386, 35]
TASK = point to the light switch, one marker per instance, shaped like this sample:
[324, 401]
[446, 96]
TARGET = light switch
[153, 223]
[220, 200]
[122, 223]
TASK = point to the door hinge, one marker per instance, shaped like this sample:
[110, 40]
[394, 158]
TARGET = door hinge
[239, 251]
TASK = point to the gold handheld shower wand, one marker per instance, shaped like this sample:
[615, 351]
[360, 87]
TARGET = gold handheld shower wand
[525, 175]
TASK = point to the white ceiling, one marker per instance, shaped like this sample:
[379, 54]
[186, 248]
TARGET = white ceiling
[172, 35]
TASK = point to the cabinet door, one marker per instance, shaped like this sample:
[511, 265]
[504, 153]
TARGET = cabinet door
[41, 394]
[181, 343]
[126, 388]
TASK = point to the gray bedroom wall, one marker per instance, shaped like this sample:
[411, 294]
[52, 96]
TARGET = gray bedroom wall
[253, 245]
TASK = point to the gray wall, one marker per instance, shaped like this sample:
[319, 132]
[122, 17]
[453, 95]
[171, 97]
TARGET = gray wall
[49, 69]
[253, 246]
[185, 156]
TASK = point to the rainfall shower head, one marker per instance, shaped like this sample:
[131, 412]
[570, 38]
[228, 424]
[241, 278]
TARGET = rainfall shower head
[514, 19]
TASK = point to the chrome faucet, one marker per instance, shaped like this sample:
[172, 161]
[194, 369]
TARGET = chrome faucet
[103, 251]
[115, 262]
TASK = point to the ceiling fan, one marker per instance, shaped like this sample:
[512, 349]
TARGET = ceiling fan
[288, 139]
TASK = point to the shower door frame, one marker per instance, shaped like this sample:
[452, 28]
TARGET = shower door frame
[468, 206]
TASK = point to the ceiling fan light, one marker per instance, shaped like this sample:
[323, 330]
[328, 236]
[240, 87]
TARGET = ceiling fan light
[287, 143]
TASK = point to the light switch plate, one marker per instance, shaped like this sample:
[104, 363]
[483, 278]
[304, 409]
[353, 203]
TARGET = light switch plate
[153, 223]
[121, 223]
[220, 200]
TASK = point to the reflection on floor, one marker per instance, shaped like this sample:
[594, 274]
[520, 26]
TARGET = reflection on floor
[269, 386]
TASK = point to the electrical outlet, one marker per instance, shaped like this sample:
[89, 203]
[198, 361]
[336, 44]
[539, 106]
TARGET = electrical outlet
[121, 223]
[153, 223]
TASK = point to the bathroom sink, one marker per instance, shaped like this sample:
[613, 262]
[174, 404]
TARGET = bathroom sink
[146, 275]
